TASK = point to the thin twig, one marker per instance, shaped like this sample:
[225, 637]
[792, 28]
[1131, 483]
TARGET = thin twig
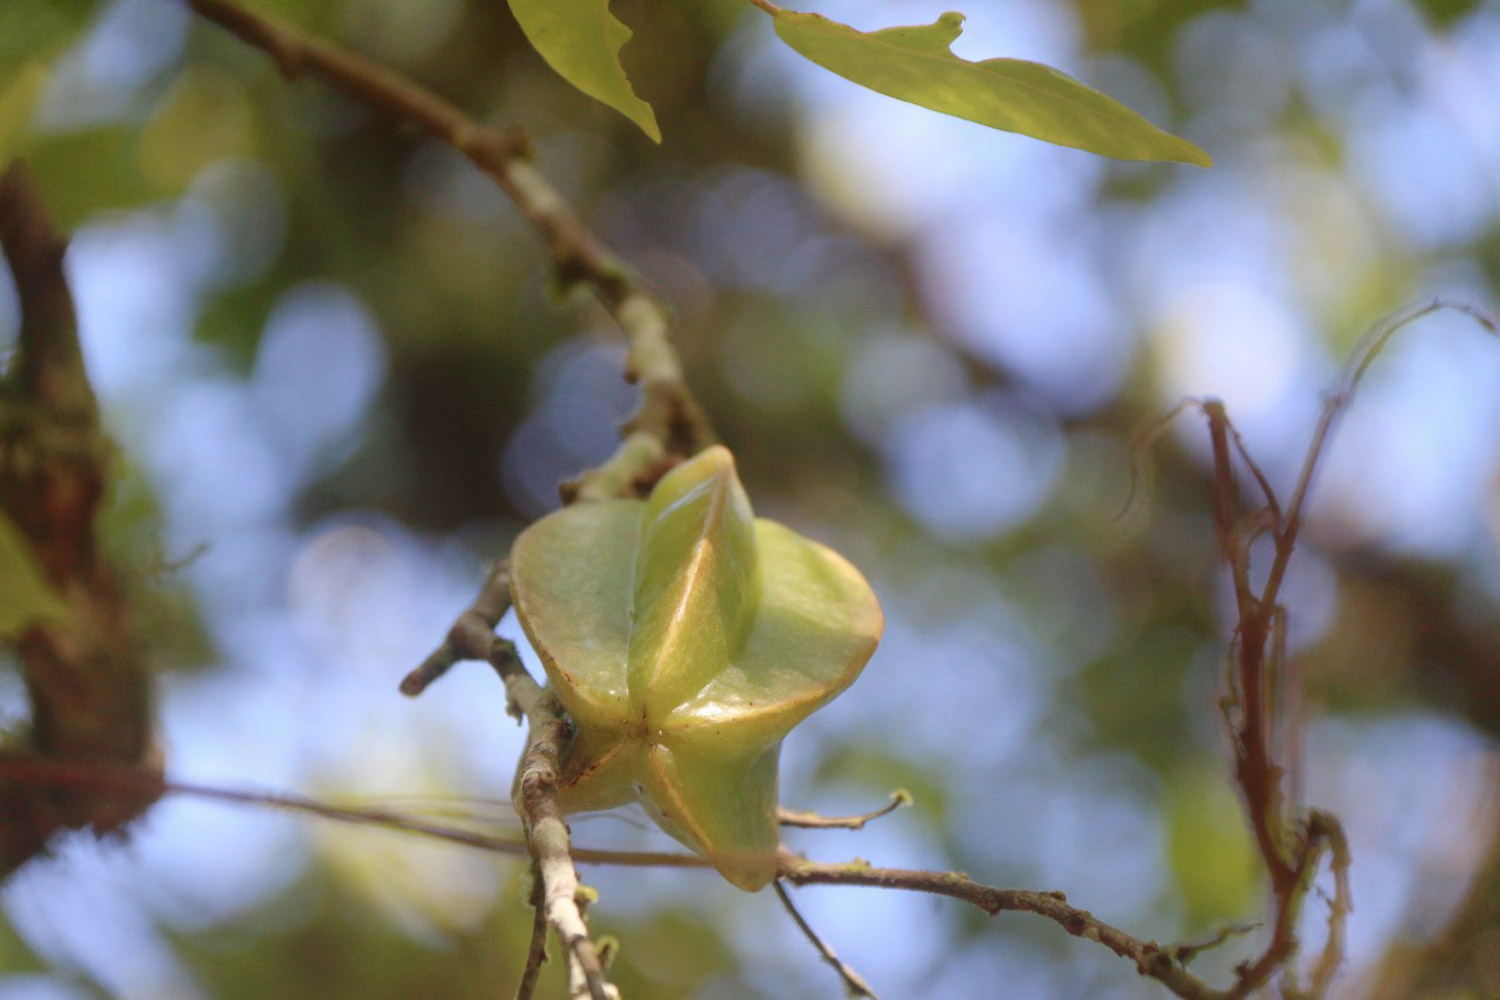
[1255, 707]
[1337, 402]
[546, 831]
[1323, 825]
[1189, 950]
[668, 410]
[853, 980]
[1140, 467]
[1150, 959]
[815, 821]
[100, 776]
[472, 634]
[536, 953]
[1161, 962]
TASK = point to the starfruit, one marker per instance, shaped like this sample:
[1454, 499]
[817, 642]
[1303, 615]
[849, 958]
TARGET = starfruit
[686, 637]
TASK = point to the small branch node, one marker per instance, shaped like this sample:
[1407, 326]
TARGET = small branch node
[472, 635]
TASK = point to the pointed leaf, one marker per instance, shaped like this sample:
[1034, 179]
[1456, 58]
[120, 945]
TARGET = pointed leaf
[581, 41]
[915, 64]
[26, 598]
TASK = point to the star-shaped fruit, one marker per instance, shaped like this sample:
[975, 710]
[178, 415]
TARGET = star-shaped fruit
[686, 638]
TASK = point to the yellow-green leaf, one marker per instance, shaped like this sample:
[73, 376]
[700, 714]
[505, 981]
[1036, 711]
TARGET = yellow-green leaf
[581, 40]
[915, 64]
[26, 598]
[686, 638]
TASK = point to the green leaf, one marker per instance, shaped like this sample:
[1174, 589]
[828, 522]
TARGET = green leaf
[915, 65]
[686, 638]
[581, 40]
[26, 598]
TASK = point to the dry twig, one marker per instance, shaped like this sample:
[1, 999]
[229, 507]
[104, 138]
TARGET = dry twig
[546, 831]
[668, 414]
[814, 821]
[852, 980]
[1292, 851]
[472, 637]
[536, 952]
[472, 634]
[1150, 959]
[116, 779]
[1164, 963]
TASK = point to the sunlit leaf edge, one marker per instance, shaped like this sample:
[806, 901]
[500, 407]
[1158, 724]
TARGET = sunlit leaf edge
[915, 64]
[581, 41]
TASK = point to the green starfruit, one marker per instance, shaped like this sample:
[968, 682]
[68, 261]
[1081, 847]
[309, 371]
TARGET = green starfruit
[686, 637]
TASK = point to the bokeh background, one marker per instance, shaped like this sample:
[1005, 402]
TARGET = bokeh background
[341, 380]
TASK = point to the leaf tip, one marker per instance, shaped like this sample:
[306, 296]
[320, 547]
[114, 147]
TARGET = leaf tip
[644, 117]
[1195, 156]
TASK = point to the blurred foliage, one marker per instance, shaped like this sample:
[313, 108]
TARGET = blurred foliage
[38, 29]
[1049, 682]
[1212, 855]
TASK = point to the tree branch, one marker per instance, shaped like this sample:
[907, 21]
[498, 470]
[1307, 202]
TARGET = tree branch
[546, 831]
[1150, 958]
[1164, 963]
[472, 637]
[87, 683]
[119, 779]
[472, 634]
[536, 953]
[853, 981]
[1292, 850]
[668, 412]
[668, 421]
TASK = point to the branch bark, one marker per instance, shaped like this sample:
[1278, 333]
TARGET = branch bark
[86, 680]
[1164, 963]
[546, 830]
[472, 637]
[1150, 959]
[668, 414]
